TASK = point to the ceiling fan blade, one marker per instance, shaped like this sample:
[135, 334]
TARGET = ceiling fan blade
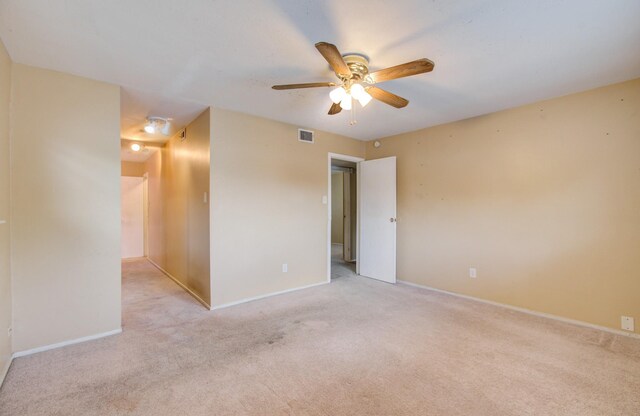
[335, 109]
[307, 85]
[387, 97]
[333, 56]
[405, 70]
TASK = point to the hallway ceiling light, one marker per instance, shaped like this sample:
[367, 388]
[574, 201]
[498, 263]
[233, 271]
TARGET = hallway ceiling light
[158, 125]
[136, 147]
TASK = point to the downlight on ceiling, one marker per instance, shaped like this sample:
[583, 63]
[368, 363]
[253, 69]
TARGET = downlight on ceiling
[158, 125]
[136, 147]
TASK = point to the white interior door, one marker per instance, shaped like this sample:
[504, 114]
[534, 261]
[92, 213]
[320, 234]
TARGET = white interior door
[132, 219]
[377, 208]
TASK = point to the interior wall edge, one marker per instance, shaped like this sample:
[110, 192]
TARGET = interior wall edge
[525, 310]
[6, 276]
[178, 183]
[179, 283]
[267, 189]
[43, 348]
[542, 199]
[63, 178]
[5, 369]
[267, 295]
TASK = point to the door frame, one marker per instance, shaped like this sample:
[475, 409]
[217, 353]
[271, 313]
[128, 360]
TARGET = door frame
[349, 201]
[145, 213]
[345, 158]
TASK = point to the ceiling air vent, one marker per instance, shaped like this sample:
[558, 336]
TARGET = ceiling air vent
[305, 136]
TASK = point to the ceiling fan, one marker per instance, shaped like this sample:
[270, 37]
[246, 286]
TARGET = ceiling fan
[356, 82]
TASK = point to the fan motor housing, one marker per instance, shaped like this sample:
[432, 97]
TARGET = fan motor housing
[358, 64]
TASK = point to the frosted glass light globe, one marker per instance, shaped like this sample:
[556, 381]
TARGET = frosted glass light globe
[357, 91]
[337, 95]
[364, 98]
[345, 104]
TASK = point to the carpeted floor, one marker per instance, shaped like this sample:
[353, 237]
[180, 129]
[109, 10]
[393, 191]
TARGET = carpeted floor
[353, 347]
[339, 267]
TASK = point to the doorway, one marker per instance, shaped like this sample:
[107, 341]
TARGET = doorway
[133, 218]
[368, 246]
[343, 218]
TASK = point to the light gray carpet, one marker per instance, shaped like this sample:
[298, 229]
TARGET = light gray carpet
[353, 347]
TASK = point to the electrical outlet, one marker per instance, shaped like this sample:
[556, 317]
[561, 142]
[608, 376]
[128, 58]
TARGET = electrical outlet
[285, 267]
[472, 272]
[627, 323]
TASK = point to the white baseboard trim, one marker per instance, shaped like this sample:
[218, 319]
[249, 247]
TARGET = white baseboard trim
[527, 311]
[179, 283]
[66, 343]
[268, 295]
[5, 370]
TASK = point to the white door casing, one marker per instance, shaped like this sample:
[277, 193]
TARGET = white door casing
[327, 200]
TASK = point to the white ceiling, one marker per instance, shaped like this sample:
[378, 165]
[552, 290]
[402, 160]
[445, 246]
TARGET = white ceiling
[136, 106]
[489, 54]
[128, 155]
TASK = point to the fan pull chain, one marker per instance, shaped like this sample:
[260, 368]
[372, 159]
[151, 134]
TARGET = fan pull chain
[353, 120]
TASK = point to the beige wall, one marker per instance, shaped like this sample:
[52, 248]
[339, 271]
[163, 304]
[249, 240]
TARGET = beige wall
[156, 251]
[133, 168]
[178, 213]
[65, 207]
[5, 272]
[267, 208]
[544, 200]
[337, 201]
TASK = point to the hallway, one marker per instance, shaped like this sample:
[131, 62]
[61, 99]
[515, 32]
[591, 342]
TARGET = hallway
[339, 267]
[352, 347]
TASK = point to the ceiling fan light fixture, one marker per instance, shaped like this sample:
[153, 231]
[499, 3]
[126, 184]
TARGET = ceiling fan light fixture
[345, 104]
[357, 91]
[364, 98]
[355, 80]
[337, 95]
